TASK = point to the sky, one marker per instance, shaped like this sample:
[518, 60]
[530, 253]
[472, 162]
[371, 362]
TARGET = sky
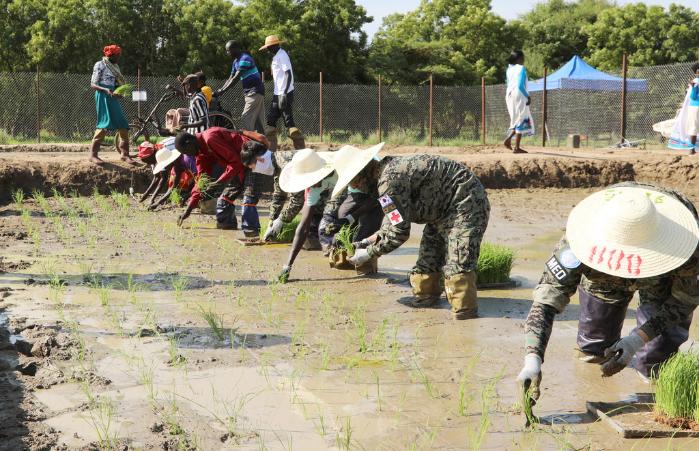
[509, 9]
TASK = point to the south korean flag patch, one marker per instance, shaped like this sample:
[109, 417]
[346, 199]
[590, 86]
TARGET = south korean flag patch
[390, 209]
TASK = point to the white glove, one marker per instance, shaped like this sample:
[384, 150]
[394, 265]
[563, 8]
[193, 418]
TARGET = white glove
[273, 229]
[621, 353]
[360, 257]
[531, 369]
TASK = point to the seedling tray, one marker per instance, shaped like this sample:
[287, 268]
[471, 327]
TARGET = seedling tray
[635, 419]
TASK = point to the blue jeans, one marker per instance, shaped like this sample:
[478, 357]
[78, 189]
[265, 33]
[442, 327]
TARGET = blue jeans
[251, 219]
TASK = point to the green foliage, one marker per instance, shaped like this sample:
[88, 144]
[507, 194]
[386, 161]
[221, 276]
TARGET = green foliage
[345, 237]
[457, 41]
[677, 387]
[287, 233]
[124, 90]
[494, 264]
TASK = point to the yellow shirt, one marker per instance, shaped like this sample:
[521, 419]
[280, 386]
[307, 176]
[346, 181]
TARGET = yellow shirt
[208, 93]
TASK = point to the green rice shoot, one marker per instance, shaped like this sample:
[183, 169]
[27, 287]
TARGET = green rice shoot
[203, 183]
[494, 264]
[176, 197]
[124, 90]
[287, 233]
[344, 239]
[677, 387]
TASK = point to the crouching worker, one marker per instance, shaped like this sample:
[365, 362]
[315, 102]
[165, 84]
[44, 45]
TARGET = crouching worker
[440, 193]
[625, 239]
[311, 173]
[264, 161]
[221, 146]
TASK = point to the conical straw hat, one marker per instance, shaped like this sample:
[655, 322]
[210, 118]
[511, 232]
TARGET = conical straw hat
[349, 162]
[305, 169]
[632, 232]
[271, 40]
[164, 157]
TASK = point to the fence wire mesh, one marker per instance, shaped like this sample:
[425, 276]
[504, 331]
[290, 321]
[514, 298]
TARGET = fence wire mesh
[60, 107]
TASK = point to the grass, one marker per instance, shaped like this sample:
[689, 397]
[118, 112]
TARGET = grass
[677, 387]
[344, 239]
[494, 264]
[18, 197]
[287, 233]
[214, 320]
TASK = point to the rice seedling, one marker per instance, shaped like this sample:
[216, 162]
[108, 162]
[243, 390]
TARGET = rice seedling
[287, 233]
[477, 435]
[176, 197]
[36, 240]
[179, 284]
[175, 358]
[214, 320]
[102, 415]
[124, 90]
[424, 379]
[344, 239]
[677, 387]
[358, 320]
[104, 293]
[321, 427]
[120, 199]
[18, 197]
[344, 439]
[494, 264]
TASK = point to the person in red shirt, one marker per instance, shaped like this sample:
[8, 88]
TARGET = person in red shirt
[218, 146]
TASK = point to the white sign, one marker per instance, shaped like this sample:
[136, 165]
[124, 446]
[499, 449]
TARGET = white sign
[139, 96]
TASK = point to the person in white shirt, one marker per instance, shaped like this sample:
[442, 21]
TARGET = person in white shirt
[283, 98]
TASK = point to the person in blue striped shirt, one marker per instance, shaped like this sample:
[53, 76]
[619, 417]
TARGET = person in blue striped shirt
[245, 70]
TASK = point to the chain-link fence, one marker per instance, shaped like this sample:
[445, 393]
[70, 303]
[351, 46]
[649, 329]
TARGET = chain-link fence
[60, 107]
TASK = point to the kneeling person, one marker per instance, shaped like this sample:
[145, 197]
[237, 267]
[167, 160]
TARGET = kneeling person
[440, 193]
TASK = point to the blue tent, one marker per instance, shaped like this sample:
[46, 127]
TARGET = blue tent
[577, 74]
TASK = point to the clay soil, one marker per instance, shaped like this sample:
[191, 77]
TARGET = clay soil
[120, 330]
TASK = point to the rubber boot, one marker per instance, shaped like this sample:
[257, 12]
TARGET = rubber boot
[297, 138]
[368, 268]
[124, 150]
[461, 294]
[426, 288]
[599, 326]
[271, 134]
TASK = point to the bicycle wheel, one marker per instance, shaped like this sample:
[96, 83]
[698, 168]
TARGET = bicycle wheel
[218, 119]
[136, 129]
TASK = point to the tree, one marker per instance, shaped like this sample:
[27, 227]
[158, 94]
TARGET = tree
[556, 31]
[650, 35]
[458, 41]
[16, 17]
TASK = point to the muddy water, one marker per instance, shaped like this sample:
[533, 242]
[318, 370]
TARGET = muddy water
[327, 361]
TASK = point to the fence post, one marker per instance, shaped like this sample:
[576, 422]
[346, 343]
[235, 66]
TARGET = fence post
[483, 110]
[38, 105]
[379, 116]
[430, 116]
[624, 69]
[320, 106]
[543, 111]
[138, 88]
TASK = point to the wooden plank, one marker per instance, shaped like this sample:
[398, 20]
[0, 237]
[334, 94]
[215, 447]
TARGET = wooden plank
[607, 412]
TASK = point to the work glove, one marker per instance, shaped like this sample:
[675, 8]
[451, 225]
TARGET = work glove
[360, 257]
[281, 101]
[619, 355]
[363, 244]
[530, 376]
[273, 229]
[283, 276]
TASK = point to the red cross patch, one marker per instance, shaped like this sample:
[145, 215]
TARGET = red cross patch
[395, 217]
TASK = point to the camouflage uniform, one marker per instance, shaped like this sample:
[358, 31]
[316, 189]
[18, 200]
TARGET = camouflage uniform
[451, 201]
[277, 209]
[666, 304]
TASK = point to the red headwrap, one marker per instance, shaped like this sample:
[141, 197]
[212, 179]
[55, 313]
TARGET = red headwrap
[111, 50]
[145, 150]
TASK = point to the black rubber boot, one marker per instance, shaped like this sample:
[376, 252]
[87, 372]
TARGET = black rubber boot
[599, 327]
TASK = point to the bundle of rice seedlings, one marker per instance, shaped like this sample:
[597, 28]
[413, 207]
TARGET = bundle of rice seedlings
[124, 90]
[344, 239]
[494, 264]
[677, 389]
[176, 197]
[287, 233]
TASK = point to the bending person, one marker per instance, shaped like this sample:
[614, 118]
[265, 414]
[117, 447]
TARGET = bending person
[624, 239]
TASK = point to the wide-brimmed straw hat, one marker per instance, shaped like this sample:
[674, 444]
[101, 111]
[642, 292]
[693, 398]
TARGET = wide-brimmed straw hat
[305, 169]
[164, 157]
[632, 232]
[271, 40]
[349, 162]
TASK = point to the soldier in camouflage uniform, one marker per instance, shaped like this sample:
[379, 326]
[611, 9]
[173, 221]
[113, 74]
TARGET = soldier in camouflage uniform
[666, 304]
[452, 203]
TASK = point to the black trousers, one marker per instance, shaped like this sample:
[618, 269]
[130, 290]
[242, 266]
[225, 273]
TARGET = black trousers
[275, 112]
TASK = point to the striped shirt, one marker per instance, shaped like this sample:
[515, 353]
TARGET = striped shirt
[250, 76]
[198, 110]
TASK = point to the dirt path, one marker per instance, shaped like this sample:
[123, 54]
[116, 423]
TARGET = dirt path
[168, 338]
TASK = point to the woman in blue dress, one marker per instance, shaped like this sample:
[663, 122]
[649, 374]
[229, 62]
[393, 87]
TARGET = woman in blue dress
[518, 100]
[106, 77]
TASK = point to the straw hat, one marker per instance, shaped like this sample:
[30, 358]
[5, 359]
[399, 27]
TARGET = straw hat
[305, 169]
[271, 40]
[164, 157]
[632, 232]
[349, 162]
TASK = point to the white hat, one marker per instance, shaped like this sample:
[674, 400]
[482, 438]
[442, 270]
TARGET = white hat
[349, 162]
[306, 168]
[164, 157]
[632, 232]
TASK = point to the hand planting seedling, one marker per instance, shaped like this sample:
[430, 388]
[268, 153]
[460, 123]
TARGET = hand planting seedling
[285, 235]
[344, 239]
